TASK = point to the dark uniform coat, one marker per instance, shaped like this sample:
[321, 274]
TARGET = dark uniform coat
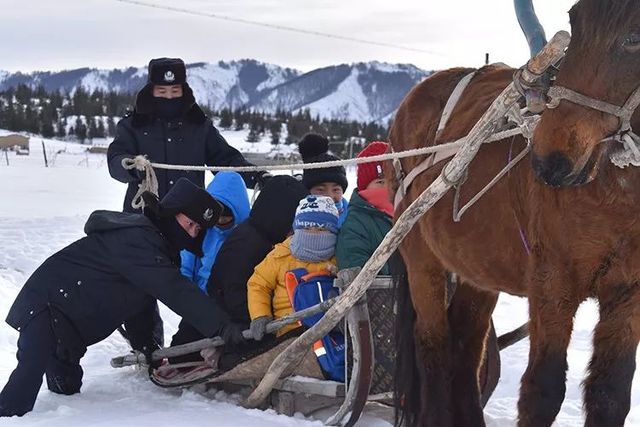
[111, 276]
[188, 140]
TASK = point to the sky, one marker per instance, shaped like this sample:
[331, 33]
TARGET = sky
[67, 34]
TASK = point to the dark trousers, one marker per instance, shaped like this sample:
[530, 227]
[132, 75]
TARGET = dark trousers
[37, 356]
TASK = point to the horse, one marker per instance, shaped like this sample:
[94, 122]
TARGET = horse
[558, 229]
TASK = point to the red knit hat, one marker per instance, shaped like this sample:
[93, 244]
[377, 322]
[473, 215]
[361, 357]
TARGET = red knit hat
[367, 172]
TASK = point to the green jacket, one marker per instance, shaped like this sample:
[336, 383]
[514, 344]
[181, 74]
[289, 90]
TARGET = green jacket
[361, 233]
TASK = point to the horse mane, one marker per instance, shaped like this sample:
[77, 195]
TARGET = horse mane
[602, 21]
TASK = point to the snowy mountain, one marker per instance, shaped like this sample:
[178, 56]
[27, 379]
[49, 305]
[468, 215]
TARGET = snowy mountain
[364, 91]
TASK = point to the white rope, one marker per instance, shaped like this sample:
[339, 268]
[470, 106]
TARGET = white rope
[141, 162]
[149, 183]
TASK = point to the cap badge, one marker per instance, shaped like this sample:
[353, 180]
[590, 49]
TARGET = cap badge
[169, 77]
[208, 214]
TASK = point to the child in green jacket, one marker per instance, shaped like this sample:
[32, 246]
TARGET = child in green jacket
[370, 213]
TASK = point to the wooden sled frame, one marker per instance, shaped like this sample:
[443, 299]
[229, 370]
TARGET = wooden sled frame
[308, 396]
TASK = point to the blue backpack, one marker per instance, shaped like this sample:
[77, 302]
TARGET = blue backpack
[306, 290]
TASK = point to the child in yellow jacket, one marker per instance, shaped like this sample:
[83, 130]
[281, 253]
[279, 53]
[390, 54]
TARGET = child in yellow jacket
[312, 246]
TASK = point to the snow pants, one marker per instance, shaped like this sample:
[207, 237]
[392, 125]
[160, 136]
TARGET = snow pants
[38, 354]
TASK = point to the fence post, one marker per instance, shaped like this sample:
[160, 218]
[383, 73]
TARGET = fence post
[44, 152]
[6, 155]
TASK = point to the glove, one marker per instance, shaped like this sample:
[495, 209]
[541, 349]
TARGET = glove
[231, 334]
[148, 350]
[263, 178]
[258, 327]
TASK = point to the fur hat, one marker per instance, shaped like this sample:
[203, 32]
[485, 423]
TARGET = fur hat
[167, 71]
[317, 211]
[314, 148]
[368, 172]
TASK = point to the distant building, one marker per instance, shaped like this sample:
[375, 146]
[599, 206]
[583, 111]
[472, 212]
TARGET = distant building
[15, 142]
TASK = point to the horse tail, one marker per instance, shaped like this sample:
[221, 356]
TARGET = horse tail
[406, 378]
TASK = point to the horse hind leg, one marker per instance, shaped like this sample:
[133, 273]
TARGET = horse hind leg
[427, 285]
[607, 390]
[469, 319]
[543, 385]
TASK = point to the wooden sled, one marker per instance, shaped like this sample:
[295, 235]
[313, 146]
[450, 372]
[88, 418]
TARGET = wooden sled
[369, 326]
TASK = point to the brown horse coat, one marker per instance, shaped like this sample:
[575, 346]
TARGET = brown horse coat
[585, 242]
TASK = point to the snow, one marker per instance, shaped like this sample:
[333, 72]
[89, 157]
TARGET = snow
[348, 101]
[44, 209]
[212, 82]
[98, 80]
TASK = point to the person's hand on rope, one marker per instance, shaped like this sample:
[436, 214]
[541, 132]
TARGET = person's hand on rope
[258, 327]
[263, 178]
[231, 334]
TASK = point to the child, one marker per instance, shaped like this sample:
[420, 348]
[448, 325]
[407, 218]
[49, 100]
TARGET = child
[331, 182]
[227, 188]
[370, 213]
[312, 246]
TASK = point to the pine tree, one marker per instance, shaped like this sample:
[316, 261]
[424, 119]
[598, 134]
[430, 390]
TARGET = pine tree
[275, 128]
[61, 128]
[92, 128]
[253, 135]
[226, 118]
[111, 127]
[80, 130]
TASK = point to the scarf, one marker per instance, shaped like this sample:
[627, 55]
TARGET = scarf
[313, 247]
[169, 108]
[379, 199]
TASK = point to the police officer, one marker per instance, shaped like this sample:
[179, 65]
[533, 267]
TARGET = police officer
[168, 126]
[82, 293]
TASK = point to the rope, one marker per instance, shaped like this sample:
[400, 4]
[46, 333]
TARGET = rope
[149, 183]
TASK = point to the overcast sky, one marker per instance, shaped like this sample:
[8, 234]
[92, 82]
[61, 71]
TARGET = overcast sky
[65, 34]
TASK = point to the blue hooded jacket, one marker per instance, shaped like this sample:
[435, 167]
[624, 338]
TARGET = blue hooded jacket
[229, 189]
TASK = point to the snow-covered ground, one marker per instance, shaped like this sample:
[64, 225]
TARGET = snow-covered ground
[44, 209]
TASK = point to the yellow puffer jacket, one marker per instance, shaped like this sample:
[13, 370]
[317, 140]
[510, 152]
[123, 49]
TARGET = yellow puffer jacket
[266, 290]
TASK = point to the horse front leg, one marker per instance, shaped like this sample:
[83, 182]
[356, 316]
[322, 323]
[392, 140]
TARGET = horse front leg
[552, 306]
[469, 319]
[427, 284]
[607, 390]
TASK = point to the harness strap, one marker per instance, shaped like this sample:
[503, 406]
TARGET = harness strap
[406, 180]
[452, 102]
[624, 113]
[423, 166]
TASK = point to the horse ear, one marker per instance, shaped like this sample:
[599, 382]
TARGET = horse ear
[312, 145]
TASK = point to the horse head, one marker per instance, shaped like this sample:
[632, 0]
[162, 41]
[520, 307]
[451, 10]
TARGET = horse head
[599, 74]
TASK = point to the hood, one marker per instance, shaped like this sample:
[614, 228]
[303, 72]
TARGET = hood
[100, 221]
[229, 189]
[273, 211]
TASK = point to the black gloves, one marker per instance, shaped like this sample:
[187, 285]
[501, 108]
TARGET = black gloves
[231, 333]
[263, 178]
[148, 350]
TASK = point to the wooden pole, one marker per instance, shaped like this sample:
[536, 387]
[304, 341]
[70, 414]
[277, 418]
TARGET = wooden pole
[6, 155]
[451, 173]
[44, 152]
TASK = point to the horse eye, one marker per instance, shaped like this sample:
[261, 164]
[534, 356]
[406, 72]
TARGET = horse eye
[632, 42]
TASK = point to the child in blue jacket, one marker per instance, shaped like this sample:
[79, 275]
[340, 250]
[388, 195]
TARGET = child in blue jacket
[229, 189]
